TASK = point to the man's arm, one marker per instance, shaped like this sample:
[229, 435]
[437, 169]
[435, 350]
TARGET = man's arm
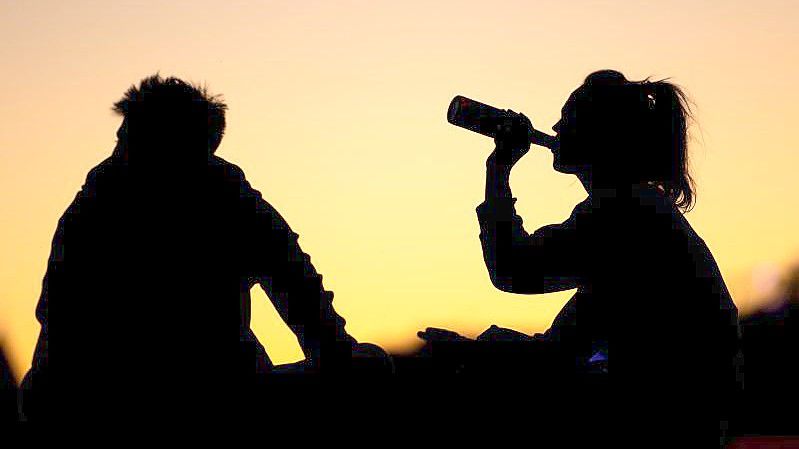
[55, 283]
[36, 385]
[297, 292]
[290, 280]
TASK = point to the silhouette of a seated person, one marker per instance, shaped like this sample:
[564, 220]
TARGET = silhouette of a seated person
[650, 301]
[771, 337]
[8, 391]
[146, 300]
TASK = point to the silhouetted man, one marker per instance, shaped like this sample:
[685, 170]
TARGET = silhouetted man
[146, 302]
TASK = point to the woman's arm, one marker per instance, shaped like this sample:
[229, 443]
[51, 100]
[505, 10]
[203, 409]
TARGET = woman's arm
[517, 262]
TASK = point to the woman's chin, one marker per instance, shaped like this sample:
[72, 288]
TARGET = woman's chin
[562, 168]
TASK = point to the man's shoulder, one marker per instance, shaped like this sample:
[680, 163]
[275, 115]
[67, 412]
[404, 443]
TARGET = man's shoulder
[227, 169]
[233, 177]
[104, 169]
[100, 177]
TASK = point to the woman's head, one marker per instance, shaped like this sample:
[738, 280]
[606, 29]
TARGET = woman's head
[620, 131]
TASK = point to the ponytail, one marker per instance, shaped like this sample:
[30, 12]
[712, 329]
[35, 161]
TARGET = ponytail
[671, 115]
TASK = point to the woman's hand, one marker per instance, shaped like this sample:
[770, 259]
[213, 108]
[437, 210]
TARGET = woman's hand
[434, 334]
[496, 333]
[512, 141]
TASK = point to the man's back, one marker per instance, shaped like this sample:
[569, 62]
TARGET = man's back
[145, 305]
[142, 288]
[146, 298]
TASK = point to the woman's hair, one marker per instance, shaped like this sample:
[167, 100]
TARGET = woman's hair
[647, 123]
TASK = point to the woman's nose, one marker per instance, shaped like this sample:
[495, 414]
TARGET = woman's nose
[556, 127]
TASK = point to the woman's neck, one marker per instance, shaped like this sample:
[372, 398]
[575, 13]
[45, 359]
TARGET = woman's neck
[609, 188]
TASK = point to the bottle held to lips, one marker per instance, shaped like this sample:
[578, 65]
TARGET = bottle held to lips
[485, 119]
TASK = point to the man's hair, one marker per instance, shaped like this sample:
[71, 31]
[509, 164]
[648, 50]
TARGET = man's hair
[174, 106]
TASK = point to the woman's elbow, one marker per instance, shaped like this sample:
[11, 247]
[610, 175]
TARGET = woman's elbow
[502, 272]
[528, 283]
[501, 282]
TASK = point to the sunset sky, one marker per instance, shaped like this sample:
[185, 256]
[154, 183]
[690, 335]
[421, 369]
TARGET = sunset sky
[337, 115]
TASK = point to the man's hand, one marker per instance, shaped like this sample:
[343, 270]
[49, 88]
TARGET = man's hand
[512, 141]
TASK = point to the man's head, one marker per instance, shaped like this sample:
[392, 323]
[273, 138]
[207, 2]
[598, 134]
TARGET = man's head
[167, 118]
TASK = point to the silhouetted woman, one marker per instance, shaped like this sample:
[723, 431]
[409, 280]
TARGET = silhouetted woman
[650, 298]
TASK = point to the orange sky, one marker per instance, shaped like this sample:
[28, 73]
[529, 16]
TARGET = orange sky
[337, 114]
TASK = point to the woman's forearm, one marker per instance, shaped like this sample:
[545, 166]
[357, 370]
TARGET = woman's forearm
[498, 224]
[497, 180]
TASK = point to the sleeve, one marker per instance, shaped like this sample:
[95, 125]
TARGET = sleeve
[36, 384]
[548, 260]
[291, 282]
[54, 284]
[51, 282]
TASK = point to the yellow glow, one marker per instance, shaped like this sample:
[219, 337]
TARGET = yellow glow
[337, 114]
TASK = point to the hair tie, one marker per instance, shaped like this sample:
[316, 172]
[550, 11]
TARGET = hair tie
[649, 91]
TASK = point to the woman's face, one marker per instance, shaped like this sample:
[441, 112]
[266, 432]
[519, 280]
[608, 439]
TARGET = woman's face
[570, 156]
